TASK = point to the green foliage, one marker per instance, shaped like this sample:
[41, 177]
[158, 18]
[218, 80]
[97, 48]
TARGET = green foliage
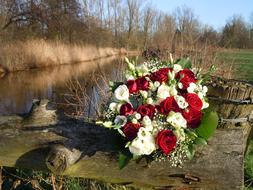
[185, 63]
[208, 124]
[248, 167]
[190, 152]
[124, 158]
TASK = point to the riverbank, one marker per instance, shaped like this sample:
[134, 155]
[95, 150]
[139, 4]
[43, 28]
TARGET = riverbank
[40, 53]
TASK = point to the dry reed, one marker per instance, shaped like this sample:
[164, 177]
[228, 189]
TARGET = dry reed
[40, 53]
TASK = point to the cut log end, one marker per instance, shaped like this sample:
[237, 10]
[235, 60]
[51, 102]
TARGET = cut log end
[61, 157]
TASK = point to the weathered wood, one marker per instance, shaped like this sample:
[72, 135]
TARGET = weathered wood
[42, 140]
[93, 149]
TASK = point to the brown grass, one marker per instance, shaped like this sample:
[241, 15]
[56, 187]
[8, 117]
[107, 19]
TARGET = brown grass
[40, 53]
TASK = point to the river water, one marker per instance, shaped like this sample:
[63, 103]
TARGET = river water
[17, 90]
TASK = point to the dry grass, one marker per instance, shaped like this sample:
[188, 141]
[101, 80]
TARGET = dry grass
[40, 53]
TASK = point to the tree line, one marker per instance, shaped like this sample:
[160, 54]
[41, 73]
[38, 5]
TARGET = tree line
[133, 24]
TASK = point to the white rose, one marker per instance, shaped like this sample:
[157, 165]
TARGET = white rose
[177, 68]
[144, 145]
[121, 93]
[163, 91]
[181, 101]
[192, 87]
[113, 106]
[120, 120]
[136, 147]
[176, 119]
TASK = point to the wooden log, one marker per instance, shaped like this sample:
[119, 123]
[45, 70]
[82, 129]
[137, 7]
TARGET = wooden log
[75, 148]
[42, 140]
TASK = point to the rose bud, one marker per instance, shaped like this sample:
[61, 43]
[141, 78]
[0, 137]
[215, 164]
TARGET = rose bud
[132, 86]
[130, 130]
[126, 109]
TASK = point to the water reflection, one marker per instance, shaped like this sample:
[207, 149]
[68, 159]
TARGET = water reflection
[17, 90]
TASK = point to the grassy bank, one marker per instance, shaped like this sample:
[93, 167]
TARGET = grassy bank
[240, 62]
[40, 53]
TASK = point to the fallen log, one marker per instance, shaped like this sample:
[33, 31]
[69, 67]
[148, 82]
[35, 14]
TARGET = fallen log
[43, 140]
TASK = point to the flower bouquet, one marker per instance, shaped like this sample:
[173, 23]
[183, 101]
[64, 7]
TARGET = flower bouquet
[161, 111]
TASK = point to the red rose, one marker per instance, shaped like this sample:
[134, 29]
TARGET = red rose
[126, 109]
[186, 77]
[161, 75]
[167, 105]
[132, 86]
[142, 83]
[193, 117]
[130, 130]
[147, 109]
[166, 140]
[194, 101]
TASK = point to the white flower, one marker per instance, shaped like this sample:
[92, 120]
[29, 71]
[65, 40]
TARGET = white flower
[204, 89]
[107, 124]
[149, 101]
[181, 101]
[146, 121]
[118, 107]
[205, 105]
[157, 84]
[134, 121]
[120, 120]
[176, 119]
[113, 106]
[129, 76]
[192, 87]
[180, 134]
[143, 144]
[142, 70]
[180, 85]
[137, 116]
[163, 91]
[121, 93]
[144, 93]
[173, 90]
[177, 68]
[171, 75]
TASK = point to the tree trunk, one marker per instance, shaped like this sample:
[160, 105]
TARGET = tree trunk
[44, 140]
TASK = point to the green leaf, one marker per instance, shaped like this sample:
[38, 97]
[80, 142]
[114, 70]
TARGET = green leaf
[134, 102]
[208, 124]
[185, 63]
[190, 152]
[124, 158]
[200, 141]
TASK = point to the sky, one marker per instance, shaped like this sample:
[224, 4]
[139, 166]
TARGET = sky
[212, 12]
